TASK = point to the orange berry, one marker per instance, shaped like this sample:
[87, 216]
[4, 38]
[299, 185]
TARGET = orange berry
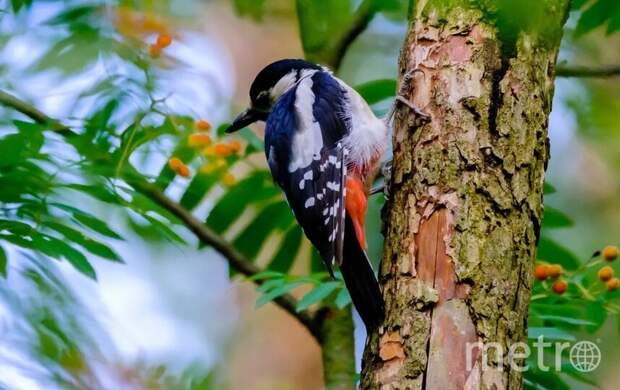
[541, 272]
[164, 40]
[222, 150]
[203, 125]
[154, 51]
[613, 284]
[610, 253]
[559, 287]
[183, 170]
[228, 179]
[174, 163]
[235, 146]
[554, 270]
[197, 140]
[606, 273]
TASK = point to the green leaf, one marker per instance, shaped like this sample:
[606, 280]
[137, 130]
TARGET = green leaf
[285, 256]
[252, 8]
[321, 22]
[77, 237]
[271, 284]
[554, 218]
[317, 294]
[343, 298]
[18, 4]
[276, 216]
[377, 90]
[197, 189]
[75, 52]
[595, 16]
[549, 189]
[3, 262]
[535, 379]
[567, 320]
[254, 188]
[255, 144]
[552, 252]
[266, 275]
[15, 148]
[316, 261]
[549, 333]
[614, 22]
[164, 229]
[99, 192]
[75, 257]
[54, 248]
[276, 292]
[96, 225]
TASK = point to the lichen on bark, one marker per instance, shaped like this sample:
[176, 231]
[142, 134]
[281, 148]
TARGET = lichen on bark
[466, 197]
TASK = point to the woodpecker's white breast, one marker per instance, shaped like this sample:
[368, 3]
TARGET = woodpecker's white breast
[367, 138]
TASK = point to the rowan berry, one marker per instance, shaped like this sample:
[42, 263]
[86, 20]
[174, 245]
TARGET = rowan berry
[610, 253]
[559, 287]
[606, 273]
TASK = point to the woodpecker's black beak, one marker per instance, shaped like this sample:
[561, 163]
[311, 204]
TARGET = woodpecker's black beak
[245, 119]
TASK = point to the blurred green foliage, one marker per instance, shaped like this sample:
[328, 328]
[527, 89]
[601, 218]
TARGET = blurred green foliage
[58, 190]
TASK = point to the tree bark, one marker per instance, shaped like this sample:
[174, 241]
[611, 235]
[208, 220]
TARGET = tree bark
[466, 196]
[337, 348]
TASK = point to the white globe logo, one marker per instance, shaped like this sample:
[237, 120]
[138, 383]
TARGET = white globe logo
[585, 356]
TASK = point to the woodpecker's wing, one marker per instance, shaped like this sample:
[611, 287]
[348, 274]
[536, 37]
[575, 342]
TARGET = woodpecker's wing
[307, 157]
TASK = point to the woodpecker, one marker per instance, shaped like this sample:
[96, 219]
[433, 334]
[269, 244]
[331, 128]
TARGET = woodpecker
[323, 145]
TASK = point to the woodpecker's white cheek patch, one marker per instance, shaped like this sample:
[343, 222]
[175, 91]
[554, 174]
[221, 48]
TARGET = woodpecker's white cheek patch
[283, 85]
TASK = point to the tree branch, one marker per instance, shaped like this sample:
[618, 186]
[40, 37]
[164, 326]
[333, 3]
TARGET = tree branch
[362, 17]
[232, 255]
[332, 53]
[584, 71]
[204, 234]
[8, 100]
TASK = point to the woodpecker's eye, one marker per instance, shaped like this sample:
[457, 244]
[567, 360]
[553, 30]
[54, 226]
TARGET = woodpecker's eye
[262, 101]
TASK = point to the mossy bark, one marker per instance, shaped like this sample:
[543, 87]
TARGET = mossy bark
[337, 348]
[466, 196]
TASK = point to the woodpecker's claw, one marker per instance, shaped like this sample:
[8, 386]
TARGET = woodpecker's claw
[386, 172]
[376, 189]
[419, 113]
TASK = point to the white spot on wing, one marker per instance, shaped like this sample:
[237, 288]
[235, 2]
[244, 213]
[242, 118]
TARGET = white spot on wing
[309, 202]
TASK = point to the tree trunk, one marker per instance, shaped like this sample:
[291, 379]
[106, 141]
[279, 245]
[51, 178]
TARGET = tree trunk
[466, 194]
[337, 348]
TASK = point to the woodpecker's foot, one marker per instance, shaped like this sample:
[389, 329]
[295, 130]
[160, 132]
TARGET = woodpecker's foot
[419, 113]
[377, 189]
[386, 172]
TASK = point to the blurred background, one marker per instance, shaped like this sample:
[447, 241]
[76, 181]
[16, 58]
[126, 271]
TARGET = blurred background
[135, 301]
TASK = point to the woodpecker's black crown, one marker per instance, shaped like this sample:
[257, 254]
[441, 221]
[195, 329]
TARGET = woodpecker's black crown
[266, 79]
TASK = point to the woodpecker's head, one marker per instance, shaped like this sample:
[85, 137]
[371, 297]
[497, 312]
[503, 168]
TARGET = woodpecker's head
[270, 83]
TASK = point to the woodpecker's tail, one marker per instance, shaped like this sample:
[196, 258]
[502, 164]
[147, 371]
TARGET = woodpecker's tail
[360, 280]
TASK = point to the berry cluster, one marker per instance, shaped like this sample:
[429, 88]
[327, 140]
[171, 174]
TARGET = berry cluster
[543, 272]
[215, 154]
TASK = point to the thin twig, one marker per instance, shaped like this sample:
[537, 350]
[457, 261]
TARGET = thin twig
[204, 234]
[585, 71]
[30, 111]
